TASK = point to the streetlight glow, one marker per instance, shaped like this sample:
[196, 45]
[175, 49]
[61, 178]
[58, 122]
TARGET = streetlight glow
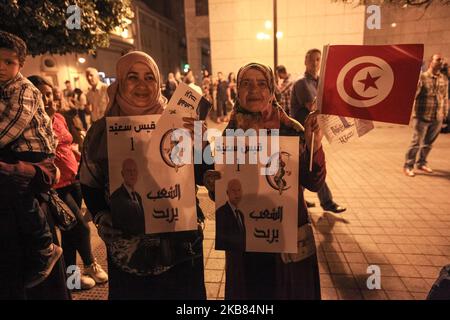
[262, 36]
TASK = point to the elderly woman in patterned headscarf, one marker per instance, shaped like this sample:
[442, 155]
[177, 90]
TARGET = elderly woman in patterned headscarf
[161, 266]
[252, 275]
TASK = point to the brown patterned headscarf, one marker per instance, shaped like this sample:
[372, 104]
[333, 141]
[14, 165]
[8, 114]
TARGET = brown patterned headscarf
[271, 116]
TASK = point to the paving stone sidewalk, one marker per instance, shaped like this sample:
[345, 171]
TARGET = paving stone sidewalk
[398, 223]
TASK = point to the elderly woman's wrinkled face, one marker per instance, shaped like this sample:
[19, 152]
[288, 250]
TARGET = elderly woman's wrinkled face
[140, 85]
[254, 94]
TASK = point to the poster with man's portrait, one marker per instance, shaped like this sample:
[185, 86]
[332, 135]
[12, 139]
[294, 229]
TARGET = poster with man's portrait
[152, 188]
[255, 211]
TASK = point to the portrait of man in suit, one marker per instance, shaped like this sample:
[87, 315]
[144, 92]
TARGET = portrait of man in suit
[126, 204]
[230, 227]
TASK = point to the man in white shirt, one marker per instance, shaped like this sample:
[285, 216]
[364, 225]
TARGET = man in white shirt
[97, 96]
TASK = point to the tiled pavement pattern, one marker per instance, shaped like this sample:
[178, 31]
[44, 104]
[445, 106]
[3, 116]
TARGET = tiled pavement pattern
[399, 223]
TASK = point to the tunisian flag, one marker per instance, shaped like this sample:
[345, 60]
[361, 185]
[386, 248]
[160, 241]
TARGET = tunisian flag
[370, 82]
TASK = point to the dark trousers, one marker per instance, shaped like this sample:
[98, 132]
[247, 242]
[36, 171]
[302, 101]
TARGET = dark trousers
[33, 224]
[425, 133]
[184, 281]
[325, 196]
[54, 287]
[78, 238]
[221, 108]
[82, 116]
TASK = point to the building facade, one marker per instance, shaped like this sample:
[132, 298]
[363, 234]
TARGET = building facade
[159, 32]
[198, 36]
[149, 31]
[242, 30]
[409, 24]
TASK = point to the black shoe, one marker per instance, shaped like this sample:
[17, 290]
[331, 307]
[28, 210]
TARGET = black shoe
[335, 208]
[48, 261]
[310, 204]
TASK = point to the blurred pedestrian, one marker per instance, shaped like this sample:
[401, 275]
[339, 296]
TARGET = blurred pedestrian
[284, 86]
[97, 97]
[171, 86]
[221, 98]
[304, 93]
[430, 109]
[68, 91]
[80, 102]
[77, 239]
[27, 146]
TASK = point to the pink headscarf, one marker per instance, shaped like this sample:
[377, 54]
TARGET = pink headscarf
[121, 106]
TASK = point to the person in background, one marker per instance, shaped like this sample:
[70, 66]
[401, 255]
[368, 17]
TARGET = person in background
[206, 79]
[74, 123]
[231, 93]
[445, 71]
[189, 79]
[171, 86]
[27, 147]
[207, 86]
[430, 109]
[178, 77]
[302, 103]
[97, 97]
[59, 100]
[221, 98]
[80, 102]
[68, 91]
[284, 86]
[68, 188]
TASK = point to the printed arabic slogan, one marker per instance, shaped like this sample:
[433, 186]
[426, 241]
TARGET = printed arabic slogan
[256, 212]
[149, 169]
[341, 130]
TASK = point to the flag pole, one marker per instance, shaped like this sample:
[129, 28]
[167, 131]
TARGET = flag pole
[311, 152]
[312, 135]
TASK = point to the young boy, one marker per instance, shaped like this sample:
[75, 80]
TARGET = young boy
[25, 135]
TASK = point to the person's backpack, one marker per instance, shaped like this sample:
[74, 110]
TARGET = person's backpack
[441, 287]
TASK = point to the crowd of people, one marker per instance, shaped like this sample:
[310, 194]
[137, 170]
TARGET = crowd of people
[220, 92]
[56, 140]
[41, 136]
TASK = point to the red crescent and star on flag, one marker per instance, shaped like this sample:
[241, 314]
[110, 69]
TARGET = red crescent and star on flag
[370, 82]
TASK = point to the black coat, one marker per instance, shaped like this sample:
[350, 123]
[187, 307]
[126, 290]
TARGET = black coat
[228, 234]
[127, 214]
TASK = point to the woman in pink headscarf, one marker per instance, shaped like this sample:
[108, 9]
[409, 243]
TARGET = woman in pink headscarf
[159, 266]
